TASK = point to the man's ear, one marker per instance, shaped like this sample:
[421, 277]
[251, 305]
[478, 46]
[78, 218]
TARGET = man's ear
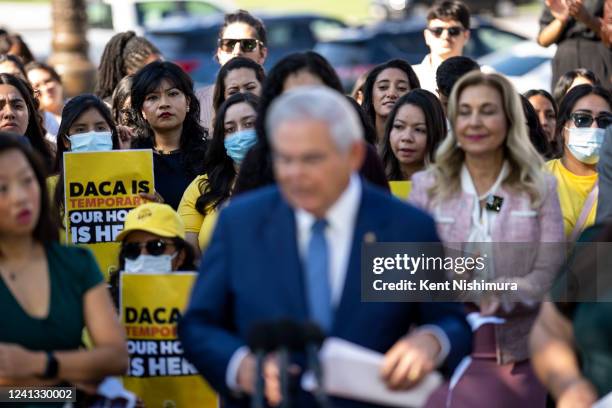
[426, 35]
[263, 54]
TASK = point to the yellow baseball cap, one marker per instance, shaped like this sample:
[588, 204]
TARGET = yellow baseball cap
[158, 219]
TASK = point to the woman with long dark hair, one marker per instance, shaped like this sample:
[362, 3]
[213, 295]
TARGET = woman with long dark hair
[21, 116]
[240, 74]
[49, 293]
[233, 135]
[584, 114]
[414, 129]
[162, 94]
[86, 125]
[298, 69]
[383, 86]
[537, 135]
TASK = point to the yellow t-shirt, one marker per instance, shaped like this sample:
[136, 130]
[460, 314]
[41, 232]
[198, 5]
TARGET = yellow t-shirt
[573, 191]
[194, 221]
[401, 189]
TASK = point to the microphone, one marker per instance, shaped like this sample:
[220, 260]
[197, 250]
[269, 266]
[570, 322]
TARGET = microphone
[260, 340]
[289, 337]
[313, 339]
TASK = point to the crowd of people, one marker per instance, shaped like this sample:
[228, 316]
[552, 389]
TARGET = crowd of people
[268, 184]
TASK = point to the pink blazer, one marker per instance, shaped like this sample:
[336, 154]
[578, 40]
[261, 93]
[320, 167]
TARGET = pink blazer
[532, 265]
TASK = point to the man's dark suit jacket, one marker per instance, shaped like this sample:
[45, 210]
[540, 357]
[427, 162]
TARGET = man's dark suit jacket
[252, 272]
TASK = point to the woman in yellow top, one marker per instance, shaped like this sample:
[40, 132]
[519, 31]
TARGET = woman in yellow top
[584, 114]
[414, 129]
[86, 125]
[233, 135]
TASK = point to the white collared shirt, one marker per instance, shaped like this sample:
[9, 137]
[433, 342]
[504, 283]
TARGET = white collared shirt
[426, 73]
[341, 218]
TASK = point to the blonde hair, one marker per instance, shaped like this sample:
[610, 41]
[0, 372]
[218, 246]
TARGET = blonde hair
[525, 162]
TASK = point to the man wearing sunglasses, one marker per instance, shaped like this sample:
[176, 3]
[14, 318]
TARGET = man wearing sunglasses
[448, 29]
[242, 35]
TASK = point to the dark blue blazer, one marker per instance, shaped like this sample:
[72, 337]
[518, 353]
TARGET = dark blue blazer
[252, 272]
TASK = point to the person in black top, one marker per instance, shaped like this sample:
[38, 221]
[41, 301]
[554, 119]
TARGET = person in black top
[575, 26]
[168, 112]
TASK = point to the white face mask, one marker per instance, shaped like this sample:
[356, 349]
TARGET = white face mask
[91, 142]
[585, 143]
[150, 263]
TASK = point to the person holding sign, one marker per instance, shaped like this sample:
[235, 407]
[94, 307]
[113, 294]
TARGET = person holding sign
[48, 292]
[86, 126]
[233, 136]
[169, 119]
[153, 240]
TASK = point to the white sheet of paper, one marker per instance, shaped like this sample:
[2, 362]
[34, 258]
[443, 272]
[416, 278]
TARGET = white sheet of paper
[352, 371]
[604, 402]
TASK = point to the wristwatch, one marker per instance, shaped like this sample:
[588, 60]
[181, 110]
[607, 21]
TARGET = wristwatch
[52, 367]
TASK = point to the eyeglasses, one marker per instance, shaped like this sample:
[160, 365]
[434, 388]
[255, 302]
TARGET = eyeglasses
[452, 31]
[155, 247]
[584, 120]
[246, 44]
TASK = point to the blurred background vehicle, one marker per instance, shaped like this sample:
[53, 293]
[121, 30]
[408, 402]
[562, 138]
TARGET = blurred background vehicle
[186, 32]
[400, 9]
[358, 50]
[526, 64]
[192, 42]
[135, 15]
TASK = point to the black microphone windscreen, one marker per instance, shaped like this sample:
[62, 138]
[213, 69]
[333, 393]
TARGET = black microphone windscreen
[290, 335]
[261, 337]
[313, 334]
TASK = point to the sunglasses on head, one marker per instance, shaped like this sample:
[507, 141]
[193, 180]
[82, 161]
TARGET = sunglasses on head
[246, 44]
[452, 31]
[584, 120]
[155, 247]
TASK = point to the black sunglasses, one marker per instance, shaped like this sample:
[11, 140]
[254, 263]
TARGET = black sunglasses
[155, 247]
[452, 31]
[246, 44]
[584, 120]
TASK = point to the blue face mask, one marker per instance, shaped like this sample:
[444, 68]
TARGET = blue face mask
[91, 142]
[238, 144]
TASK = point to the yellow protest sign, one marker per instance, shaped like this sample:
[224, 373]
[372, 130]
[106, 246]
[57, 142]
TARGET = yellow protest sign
[100, 188]
[151, 305]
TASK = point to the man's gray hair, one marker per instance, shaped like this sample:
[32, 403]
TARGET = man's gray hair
[318, 103]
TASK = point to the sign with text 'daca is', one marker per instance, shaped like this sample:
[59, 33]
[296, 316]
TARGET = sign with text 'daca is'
[151, 305]
[100, 189]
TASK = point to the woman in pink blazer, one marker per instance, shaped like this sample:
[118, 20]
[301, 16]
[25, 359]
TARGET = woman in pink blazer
[486, 190]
